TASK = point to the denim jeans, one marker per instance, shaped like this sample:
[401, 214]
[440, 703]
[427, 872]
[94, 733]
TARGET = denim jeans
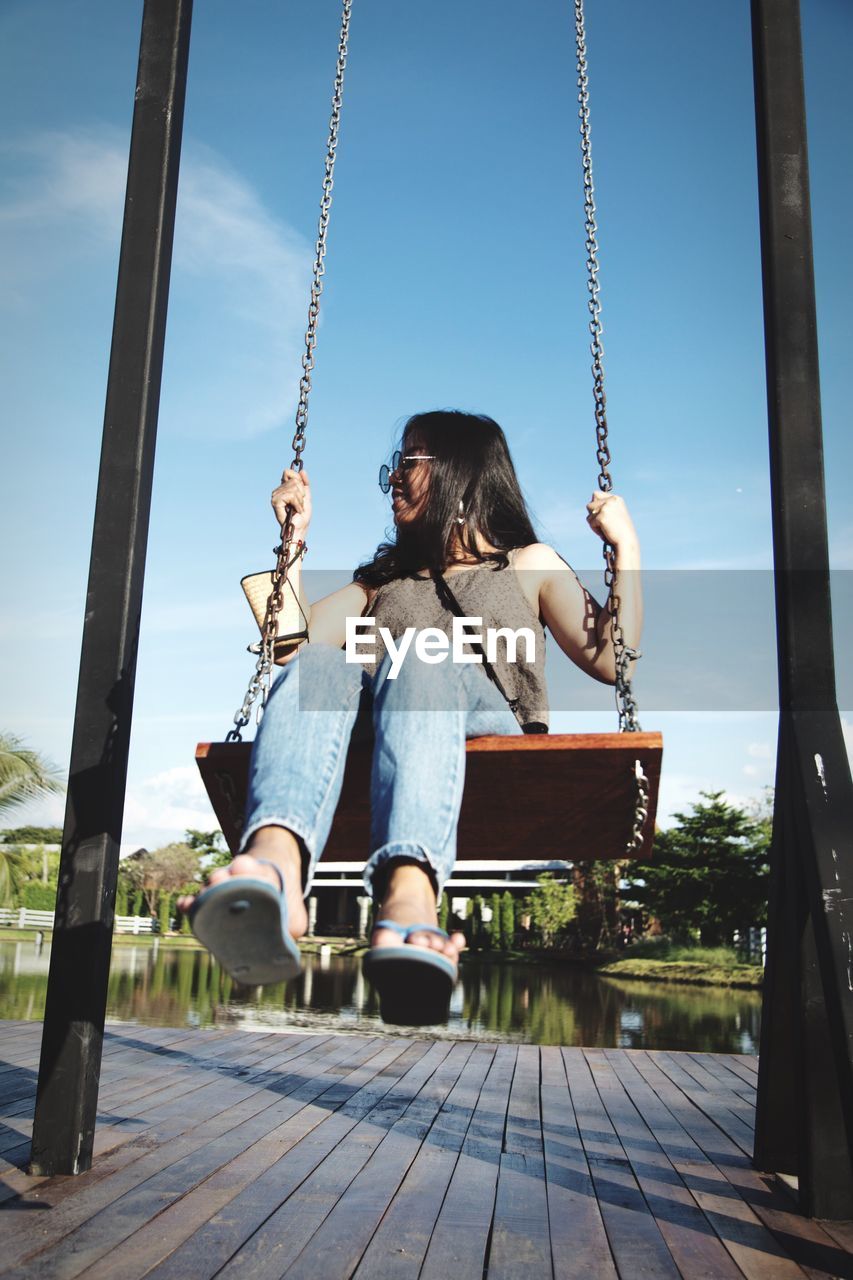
[420, 722]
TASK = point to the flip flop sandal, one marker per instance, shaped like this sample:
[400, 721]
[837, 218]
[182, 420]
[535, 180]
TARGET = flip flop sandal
[243, 922]
[413, 983]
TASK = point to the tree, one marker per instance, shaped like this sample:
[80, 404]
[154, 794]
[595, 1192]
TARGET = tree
[164, 912]
[495, 923]
[708, 873]
[24, 775]
[507, 921]
[597, 889]
[552, 906]
[474, 922]
[162, 871]
[12, 875]
[32, 835]
[210, 846]
[37, 896]
[443, 911]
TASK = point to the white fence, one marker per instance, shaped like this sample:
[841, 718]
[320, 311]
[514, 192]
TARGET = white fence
[135, 924]
[27, 918]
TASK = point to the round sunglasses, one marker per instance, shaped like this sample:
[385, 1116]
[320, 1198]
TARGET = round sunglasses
[400, 462]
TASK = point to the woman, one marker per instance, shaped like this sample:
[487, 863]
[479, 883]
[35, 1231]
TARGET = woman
[463, 545]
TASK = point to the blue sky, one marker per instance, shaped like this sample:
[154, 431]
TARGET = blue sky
[455, 278]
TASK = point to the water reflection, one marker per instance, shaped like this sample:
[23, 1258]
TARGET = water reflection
[538, 1004]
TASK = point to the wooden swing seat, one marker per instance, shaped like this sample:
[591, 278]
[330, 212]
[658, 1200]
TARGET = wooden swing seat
[567, 796]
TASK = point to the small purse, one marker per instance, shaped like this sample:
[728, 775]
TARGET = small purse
[291, 623]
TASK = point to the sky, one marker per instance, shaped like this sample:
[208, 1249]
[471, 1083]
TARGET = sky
[455, 278]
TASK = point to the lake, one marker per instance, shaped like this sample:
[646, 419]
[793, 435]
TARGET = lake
[556, 1003]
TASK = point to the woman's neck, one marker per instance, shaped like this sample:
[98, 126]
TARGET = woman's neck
[460, 554]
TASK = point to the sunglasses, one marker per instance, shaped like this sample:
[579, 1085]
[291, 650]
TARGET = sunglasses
[400, 462]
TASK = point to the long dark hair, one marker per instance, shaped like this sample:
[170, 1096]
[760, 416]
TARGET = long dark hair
[472, 464]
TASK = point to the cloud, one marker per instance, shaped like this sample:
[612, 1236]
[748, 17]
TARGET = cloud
[159, 808]
[765, 755]
[239, 294]
[62, 176]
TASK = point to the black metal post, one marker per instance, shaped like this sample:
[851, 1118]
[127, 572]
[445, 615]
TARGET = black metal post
[805, 1097]
[70, 1065]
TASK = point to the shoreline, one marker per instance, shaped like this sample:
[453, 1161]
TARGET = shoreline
[685, 972]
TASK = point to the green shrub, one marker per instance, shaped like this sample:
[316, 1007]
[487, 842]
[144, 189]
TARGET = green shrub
[666, 949]
[164, 912]
[37, 896]
[474, 923]
[507, 921]
[495, 923]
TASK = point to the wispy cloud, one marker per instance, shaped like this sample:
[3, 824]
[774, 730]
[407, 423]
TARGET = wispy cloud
[240, 277]
[159, 808]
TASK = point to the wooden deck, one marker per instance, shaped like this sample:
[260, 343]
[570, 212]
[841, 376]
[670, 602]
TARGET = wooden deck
[243, 1154]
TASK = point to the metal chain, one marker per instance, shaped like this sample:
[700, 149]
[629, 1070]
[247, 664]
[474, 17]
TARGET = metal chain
[322, 231]
[641, 812]
[259, 684]
[624, 654]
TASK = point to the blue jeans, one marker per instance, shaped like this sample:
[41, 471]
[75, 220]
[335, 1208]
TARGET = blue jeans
[420, 723]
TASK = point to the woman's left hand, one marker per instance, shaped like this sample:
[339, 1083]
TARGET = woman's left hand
[609, 518]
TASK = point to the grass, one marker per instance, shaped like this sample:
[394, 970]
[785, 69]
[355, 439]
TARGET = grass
[661, 960]
[665, 949]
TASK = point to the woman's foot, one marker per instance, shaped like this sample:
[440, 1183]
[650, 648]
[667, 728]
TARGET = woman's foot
[410, 899]
[276, 845]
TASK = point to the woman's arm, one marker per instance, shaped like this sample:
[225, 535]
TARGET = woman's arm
[578, 623]
[327, 616]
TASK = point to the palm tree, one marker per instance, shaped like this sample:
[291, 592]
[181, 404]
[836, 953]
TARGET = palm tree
[23, 776]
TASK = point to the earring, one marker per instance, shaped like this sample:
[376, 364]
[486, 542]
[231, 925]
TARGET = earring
[460, 519]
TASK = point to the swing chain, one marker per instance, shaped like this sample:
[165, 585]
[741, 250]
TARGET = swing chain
[624, 654]
[259, 685]
[641, 812]
[320, 249]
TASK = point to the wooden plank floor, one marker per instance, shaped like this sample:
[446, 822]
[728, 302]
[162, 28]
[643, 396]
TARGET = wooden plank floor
[319, 1157]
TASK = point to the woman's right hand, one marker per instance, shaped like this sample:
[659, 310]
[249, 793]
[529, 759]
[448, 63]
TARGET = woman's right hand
[294, 491]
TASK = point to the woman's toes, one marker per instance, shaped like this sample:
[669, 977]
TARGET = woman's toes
[243, 865]
[425, 940]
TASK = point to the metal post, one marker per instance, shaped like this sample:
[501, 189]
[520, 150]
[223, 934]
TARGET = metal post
[805, 1097]
[70, 1065]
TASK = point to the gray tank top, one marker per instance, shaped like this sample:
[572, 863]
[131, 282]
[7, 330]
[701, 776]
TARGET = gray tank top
[495, 595]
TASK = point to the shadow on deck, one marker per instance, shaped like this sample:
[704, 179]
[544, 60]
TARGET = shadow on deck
[223, 1153]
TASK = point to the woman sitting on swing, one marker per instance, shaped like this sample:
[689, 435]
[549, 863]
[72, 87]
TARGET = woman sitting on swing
[459, 514]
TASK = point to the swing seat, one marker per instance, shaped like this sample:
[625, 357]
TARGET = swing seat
[568, 796]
